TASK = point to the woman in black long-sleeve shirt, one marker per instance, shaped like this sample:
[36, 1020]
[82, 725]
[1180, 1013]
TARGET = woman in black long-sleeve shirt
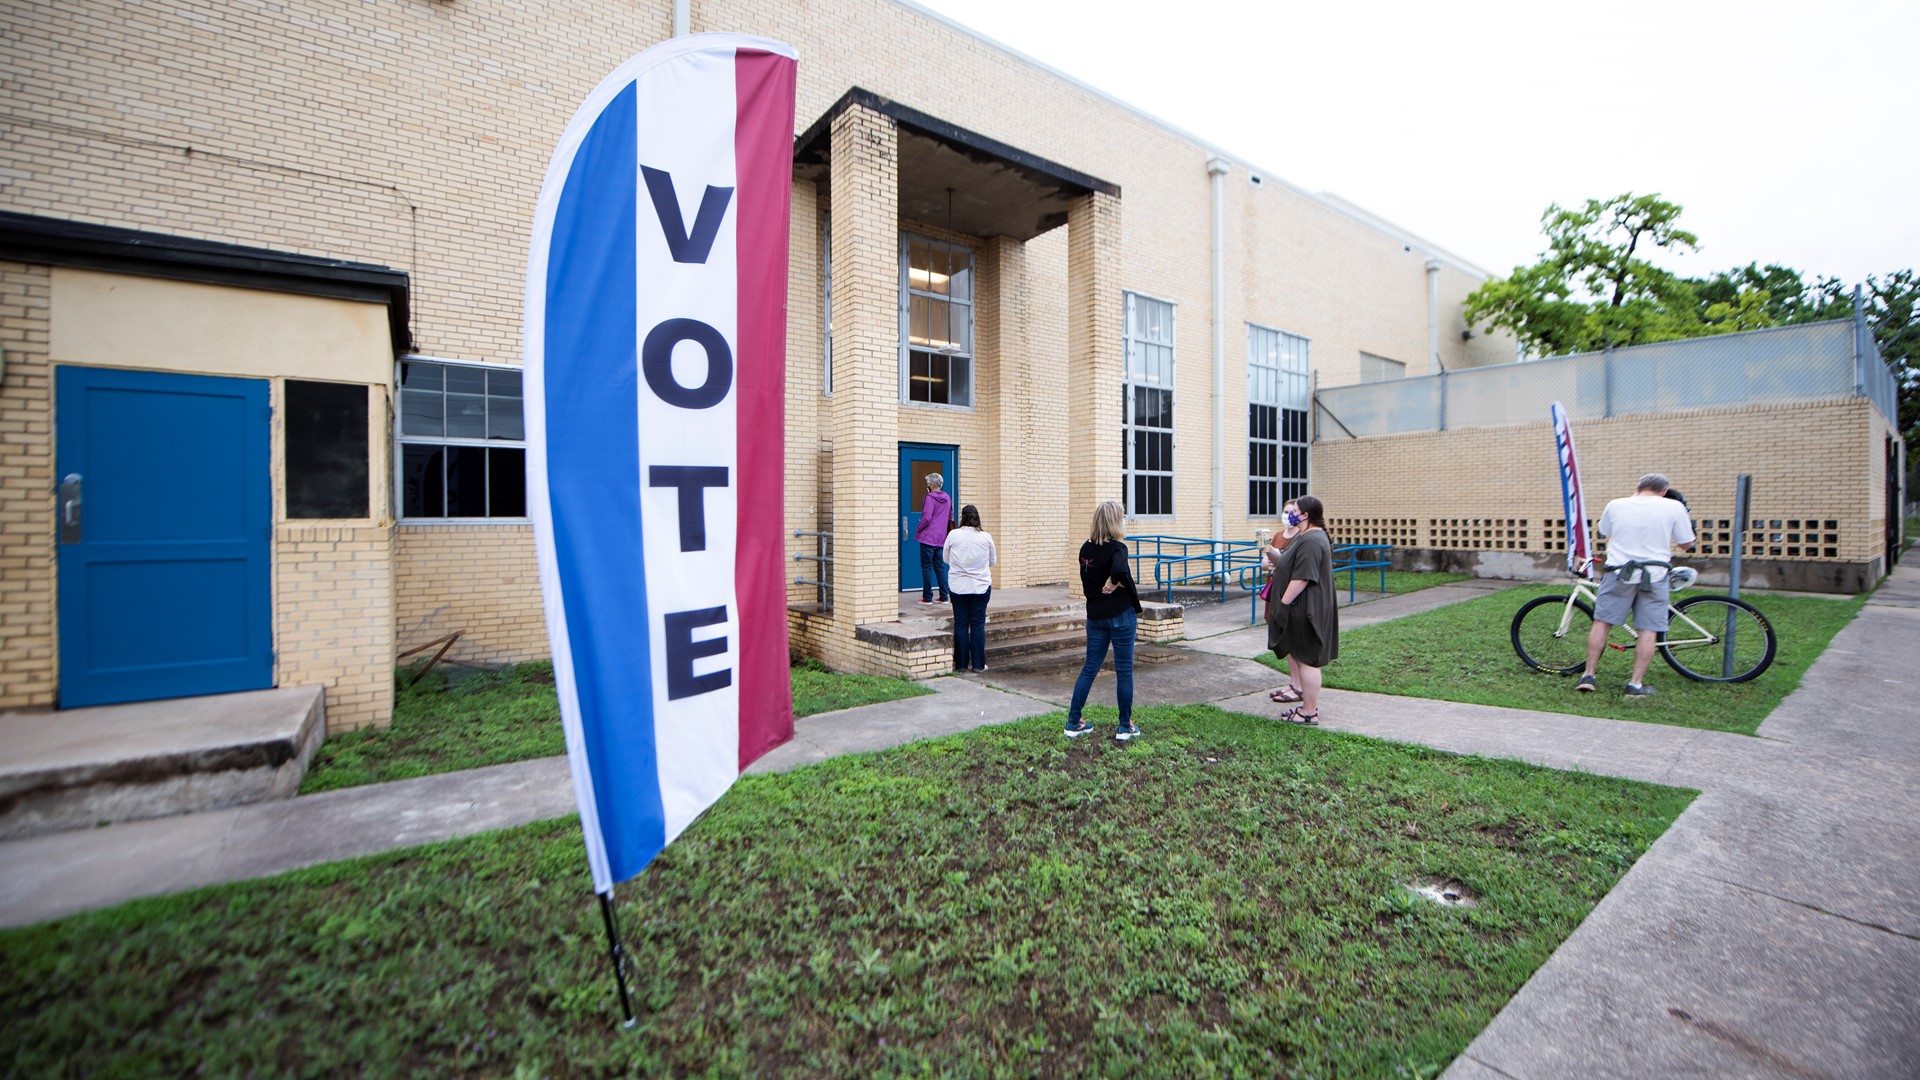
[1113, 618]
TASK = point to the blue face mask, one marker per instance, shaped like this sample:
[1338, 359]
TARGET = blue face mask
[1293, 517]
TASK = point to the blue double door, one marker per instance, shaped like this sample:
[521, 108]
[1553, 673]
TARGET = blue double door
[916, 461]
[164, 515]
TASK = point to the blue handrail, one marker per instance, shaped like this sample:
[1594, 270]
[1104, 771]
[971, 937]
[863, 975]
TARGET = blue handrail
[1174, 561]
[1252, 577]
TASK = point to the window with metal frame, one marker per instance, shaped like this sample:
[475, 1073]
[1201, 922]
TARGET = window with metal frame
[462, 441]
[1278, 373]
[327, 460]
[936, 322]
[1147, 406]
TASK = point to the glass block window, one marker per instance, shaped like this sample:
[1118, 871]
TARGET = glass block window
[1277, 391]
[936, 322]
[462, 438]
[1147, 406]
[1380, 369]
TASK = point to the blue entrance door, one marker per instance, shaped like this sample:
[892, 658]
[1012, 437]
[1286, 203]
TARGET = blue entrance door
[916, 461]
[164, 516]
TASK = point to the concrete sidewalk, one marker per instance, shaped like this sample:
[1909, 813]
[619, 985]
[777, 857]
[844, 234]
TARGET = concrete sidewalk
[46, 877]
[1774, 930]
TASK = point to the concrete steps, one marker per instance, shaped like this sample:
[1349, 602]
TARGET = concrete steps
[920, 644]
[77, 768]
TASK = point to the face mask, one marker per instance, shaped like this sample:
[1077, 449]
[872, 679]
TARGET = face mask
[1294, 518]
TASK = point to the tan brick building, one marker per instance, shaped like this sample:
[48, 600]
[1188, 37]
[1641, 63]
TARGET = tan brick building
[995, 270]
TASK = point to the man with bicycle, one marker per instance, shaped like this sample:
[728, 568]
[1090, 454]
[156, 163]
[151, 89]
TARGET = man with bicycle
[1641, 532]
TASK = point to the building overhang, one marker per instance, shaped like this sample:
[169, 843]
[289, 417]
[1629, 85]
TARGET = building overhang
[58, 242]
[990, 188]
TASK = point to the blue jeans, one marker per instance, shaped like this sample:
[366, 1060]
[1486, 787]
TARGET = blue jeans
[970, 630]
[1119, 632]
[932, 568]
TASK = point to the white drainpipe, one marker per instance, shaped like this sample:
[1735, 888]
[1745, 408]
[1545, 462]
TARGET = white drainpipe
[682, 17]
[1433, 316]
[1217, 168]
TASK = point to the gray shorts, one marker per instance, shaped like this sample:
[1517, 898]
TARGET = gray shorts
[1616, 598]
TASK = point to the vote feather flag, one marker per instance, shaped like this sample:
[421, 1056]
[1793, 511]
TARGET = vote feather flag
[655, 349]
[1573, 502]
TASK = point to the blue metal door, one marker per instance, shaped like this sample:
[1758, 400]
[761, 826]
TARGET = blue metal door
[916, 461]
[164, 516]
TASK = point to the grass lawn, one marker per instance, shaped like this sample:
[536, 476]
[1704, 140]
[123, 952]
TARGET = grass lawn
[817, 690]
[1463, 653]
[464, 718]
[1398, 581]
[1222, 897]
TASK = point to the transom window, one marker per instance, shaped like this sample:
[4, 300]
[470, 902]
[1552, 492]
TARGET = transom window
[936, 322]
[1147, 407]
[1277, 391]
[462, 437]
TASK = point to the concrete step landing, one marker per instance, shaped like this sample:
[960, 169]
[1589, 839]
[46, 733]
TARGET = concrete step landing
[77, 768]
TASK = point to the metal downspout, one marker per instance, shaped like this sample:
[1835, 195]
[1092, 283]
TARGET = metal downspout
[1433, 316]
[1217, 168]
[682, 17]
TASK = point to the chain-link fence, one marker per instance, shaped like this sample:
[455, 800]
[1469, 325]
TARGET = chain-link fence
[1787, 363]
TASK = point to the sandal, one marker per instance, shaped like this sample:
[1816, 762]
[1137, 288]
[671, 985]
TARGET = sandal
[1286, 694]
[1301, 717]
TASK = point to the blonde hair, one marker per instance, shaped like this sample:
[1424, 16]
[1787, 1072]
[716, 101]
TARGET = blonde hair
[1108, 523]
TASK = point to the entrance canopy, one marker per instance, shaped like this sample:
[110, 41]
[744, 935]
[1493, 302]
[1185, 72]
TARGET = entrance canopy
[997, 190]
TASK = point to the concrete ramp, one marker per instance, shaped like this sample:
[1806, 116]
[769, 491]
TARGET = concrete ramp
[77, 768]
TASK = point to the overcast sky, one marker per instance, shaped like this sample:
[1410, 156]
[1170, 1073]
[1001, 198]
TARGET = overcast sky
[1787, 131]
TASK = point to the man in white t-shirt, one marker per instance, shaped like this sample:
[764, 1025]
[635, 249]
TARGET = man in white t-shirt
[1641, 532]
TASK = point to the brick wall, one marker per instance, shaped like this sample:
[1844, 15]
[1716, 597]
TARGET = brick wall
[1817, 471]
[333, 617]
[28, 629]
[480, 580]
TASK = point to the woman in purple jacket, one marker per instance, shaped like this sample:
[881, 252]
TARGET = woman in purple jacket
[935, 514]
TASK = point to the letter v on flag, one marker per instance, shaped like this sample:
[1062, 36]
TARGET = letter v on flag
[655, 358]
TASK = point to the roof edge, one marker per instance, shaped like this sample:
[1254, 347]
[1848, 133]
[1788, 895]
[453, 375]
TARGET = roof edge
[50, 241]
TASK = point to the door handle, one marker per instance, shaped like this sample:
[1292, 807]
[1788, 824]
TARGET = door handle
[70, 510]
[903, 527]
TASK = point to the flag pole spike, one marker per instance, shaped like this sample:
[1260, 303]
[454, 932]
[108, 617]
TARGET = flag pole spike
[618, 955]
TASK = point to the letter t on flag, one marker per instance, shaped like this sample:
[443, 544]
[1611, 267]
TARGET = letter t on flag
[655, 378]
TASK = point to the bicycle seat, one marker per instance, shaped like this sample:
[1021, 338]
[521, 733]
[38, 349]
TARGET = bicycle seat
[1681, 577]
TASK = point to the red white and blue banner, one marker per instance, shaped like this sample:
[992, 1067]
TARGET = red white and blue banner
[655, 379]
[1573, 503]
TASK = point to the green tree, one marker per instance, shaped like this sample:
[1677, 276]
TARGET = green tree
[1594, 284]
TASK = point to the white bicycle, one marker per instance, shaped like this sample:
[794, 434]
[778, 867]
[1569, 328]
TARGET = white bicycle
[1710, 638]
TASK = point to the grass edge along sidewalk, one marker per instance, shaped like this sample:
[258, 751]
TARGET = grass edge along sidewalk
[468, 718]
[1225, 893]
[1463, 653]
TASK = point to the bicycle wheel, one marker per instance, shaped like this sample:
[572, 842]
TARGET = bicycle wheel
[1708, 660]
[1538, 640]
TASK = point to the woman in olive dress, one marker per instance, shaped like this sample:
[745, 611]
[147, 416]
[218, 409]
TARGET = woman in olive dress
[1306, 619]
[1276, 559]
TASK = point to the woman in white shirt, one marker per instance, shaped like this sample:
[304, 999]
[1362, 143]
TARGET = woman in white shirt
[969, 555]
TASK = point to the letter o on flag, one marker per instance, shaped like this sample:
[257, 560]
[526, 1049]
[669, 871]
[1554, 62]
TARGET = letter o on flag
[656, 361]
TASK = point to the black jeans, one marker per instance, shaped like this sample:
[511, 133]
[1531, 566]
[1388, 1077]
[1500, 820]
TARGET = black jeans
[932, 569]
[970, 630]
